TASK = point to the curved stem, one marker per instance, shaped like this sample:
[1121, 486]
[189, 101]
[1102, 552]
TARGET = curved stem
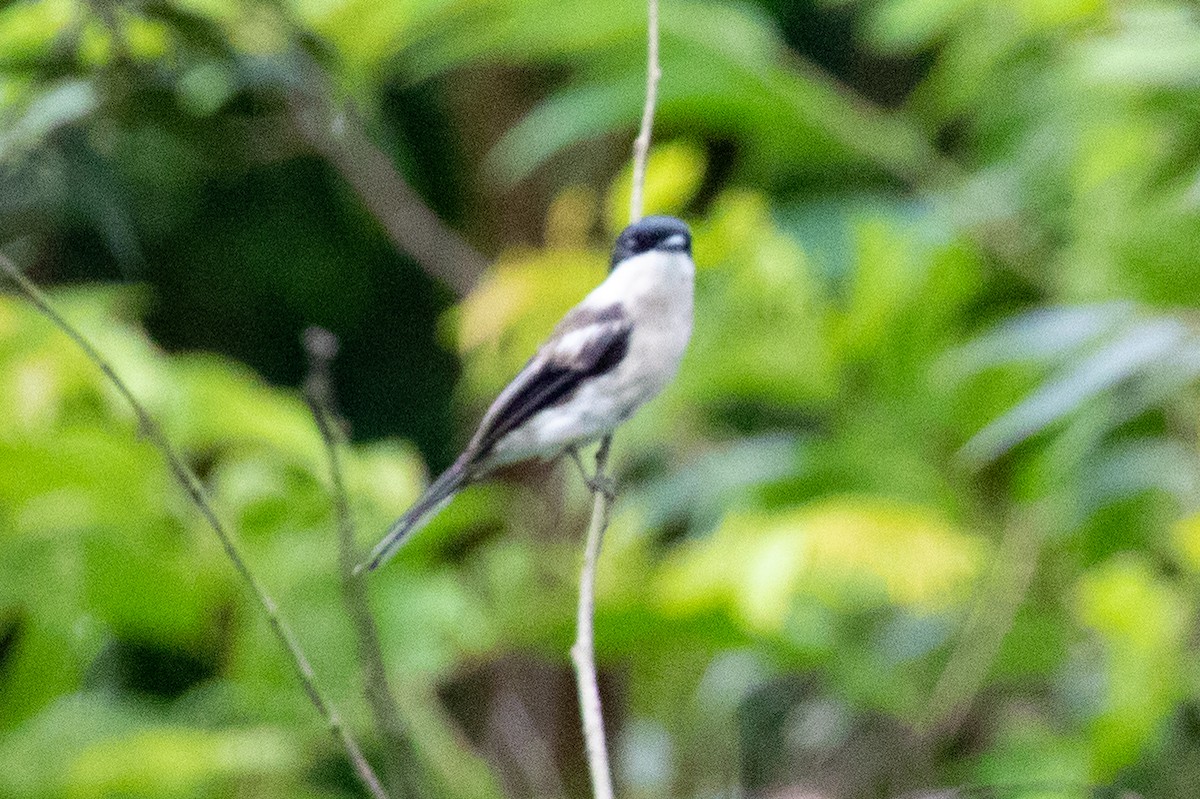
[199, 497]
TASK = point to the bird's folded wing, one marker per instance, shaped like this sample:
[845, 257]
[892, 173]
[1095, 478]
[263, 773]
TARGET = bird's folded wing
[586, 344]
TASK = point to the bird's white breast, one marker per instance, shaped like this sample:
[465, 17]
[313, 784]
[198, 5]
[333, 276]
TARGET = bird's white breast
[656, 289]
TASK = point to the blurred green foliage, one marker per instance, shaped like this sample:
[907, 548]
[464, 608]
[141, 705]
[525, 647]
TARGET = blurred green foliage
[921, 511]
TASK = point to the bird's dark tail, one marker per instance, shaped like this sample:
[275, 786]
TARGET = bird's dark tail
[440, 491]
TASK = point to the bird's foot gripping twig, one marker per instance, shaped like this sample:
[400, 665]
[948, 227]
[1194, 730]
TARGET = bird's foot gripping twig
[598, 483]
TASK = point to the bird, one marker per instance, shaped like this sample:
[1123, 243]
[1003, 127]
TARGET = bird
[609, 355]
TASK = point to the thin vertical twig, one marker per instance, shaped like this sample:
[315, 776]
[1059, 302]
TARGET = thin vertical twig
[583, 652]
[641, 145]
[321, 347]
[191, 484]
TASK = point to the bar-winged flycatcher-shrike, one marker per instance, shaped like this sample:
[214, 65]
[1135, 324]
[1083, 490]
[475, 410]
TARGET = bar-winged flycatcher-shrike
[616, 349]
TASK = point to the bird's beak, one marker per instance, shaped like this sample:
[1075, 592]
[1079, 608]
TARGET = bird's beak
[678, 241]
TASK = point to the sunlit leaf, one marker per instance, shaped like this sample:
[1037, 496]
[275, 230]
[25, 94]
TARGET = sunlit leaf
[166, 762]
[1185, 538]
[28, 27]
[910, 25]
[1155, 46]
[220, 403]
[849, 554]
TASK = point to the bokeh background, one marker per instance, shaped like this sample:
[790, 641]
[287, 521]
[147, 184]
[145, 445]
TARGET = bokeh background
[919, 517]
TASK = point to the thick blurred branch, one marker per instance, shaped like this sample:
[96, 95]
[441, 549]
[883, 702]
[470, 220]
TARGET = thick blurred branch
[528, 749]
[195, 490]
[336, 133]
[322, 346]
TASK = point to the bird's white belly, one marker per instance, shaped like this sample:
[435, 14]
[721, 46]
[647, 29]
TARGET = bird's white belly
[600, 404]
[592, 411]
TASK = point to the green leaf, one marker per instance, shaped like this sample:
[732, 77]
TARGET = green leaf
[67, 103]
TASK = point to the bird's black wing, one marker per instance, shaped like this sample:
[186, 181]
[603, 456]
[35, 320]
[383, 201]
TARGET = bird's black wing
[586, 343]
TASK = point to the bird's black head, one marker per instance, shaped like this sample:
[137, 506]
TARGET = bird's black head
[663, 233]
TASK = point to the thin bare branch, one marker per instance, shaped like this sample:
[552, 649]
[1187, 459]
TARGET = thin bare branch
[583, 652]
[641, 145]
[321, 347]
[195, 490]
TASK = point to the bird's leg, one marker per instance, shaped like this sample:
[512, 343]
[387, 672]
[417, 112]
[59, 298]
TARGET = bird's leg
[596, 482]
[574, 453]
